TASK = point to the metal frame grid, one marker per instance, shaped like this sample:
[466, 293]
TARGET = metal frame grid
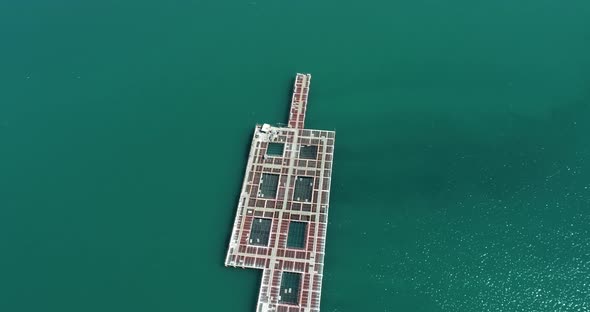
[277, 258]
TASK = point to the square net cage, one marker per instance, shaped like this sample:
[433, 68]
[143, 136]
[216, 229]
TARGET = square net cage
[297, 234]
[268, 185]
[290, 284]
[303, 189]
[308, 152]
[260, 232]
[275, 149]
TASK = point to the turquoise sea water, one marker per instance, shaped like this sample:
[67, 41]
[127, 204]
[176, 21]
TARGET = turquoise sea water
[461, 179]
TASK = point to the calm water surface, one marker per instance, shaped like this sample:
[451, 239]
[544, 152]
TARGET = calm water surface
[461, 178]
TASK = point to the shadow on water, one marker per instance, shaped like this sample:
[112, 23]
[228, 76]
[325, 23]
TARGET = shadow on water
[440, 159]
[423, 163]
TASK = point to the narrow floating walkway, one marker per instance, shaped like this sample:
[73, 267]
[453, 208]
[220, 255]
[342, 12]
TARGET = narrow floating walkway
[282, 213]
